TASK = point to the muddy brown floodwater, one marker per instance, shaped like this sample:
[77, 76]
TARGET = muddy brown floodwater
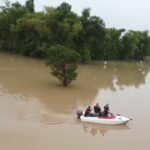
[36, 113]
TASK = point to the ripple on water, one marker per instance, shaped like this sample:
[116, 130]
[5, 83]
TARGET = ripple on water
[26, 108]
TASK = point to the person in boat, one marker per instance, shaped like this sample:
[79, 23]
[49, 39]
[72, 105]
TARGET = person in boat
[88, 111]
[106, 110]
[97, 110]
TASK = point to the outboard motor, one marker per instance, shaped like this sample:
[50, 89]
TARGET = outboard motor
[79, 113]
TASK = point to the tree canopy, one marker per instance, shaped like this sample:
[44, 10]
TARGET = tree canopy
[63, 62]
[27, 32]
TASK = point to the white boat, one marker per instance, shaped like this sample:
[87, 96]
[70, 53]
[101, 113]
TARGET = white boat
[112, 119]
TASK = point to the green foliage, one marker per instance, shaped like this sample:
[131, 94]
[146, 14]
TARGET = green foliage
[136, 45]
[8, 18]
[91, 36]
[63, 24]
[32, 36]
[63, 63]
[26, 32]
[112, 44]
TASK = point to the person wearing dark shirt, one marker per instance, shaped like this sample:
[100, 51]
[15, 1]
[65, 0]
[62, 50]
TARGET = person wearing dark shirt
[87, 111]
[97, 110]
[106, 110]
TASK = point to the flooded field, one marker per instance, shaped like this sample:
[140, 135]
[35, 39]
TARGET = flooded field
[37, 113]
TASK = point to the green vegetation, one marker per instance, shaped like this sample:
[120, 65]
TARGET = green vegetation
[26, 32]
[63, 63]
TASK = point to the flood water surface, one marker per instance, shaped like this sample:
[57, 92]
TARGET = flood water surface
[37, 113]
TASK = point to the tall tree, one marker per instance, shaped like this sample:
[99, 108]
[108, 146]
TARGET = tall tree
[30, 6]
[91, 36]
[8, 19]
[64, 25]
[111, 46]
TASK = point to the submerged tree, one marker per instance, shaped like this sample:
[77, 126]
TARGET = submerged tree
[63, 62]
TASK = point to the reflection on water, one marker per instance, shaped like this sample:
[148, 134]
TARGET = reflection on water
[95, 129]
[26, 108]
[38, 112]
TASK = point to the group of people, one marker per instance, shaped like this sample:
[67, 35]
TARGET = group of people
[97, 111]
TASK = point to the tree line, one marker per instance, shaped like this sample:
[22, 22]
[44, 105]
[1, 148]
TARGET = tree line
[26, 32]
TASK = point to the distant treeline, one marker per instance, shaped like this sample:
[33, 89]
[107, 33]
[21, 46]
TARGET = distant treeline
[26, 32]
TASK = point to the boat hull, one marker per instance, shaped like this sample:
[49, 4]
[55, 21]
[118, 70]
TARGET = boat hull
[116, 119]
